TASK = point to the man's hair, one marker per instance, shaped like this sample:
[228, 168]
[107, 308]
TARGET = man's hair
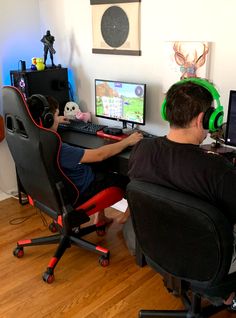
[36, 106]
[184, 102]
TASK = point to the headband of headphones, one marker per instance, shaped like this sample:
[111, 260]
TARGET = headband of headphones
[42, 98]
[213, 117]
[46, 115]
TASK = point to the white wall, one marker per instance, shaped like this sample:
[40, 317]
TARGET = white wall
[24, 22]
[213, 21]
[20, 40]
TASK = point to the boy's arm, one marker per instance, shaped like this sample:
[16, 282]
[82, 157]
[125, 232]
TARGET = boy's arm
[107, 151]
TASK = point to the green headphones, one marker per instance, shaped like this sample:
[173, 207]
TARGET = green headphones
[213, 117]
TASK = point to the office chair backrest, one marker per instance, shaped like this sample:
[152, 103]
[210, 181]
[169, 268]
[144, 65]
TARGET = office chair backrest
[180, 234]
[35, 152]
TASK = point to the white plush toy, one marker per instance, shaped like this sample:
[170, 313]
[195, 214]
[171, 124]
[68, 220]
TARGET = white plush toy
[72, 111]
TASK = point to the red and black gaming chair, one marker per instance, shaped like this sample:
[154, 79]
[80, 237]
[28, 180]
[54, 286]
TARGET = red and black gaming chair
[35, 151]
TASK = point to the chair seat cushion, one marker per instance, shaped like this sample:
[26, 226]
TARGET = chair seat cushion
[102, 200]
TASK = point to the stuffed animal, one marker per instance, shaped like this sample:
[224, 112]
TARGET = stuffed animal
[72, 111]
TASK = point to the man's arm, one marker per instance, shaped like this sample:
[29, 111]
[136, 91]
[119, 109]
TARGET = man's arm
[105, 152]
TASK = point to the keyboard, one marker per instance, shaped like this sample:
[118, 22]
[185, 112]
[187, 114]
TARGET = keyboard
[80, 126]
[147, 135]
[144, 133]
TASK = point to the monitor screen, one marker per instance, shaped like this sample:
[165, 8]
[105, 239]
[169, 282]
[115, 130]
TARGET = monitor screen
[230, 135]
[120, 101]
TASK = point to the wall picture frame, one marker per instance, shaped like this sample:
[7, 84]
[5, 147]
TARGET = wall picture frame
[184, 59]
[116, 27]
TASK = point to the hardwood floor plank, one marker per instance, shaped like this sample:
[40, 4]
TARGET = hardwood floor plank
[82, 288]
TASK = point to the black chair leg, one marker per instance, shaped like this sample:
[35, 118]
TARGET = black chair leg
[105, 253]
[139, 256]
[193, 310]
[48, 275]
[163, 313]
[19, 250]
[45, 240]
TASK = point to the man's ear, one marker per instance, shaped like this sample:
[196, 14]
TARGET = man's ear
[199, 120]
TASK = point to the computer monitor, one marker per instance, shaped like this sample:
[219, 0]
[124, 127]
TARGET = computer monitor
[230, 134]
[121, 101]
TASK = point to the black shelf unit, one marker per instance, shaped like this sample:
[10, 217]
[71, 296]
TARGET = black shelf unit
[51, 81]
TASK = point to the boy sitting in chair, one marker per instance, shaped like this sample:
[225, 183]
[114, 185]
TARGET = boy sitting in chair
[85, 167]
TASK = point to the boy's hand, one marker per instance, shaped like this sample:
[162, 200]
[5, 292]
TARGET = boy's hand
[63, 120]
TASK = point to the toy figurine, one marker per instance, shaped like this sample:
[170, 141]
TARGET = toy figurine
[48, 41]
[39, 64]
[33, 65]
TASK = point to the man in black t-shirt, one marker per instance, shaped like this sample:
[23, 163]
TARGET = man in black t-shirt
[176, 160]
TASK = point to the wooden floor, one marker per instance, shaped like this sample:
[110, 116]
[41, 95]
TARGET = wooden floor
[82, 288]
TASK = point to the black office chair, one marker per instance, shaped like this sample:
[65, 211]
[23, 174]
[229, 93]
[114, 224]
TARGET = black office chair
[35, 151]
[188, 241]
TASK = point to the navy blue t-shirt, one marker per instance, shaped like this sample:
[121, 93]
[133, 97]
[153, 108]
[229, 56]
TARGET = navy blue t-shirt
[80, 174]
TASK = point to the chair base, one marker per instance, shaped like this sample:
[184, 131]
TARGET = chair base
[181, 313]
[65, 241]
[193, 309]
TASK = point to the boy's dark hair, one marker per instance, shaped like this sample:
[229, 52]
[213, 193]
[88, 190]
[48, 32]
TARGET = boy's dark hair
[185, 101]
[36, 106]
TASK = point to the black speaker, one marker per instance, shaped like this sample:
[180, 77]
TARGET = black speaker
[52, 82]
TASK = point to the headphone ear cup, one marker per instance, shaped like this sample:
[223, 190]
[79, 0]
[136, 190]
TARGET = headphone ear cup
[48, 119]
[213, 118]
[44, 111]
[163, 110]
[207, 116]
[216, 119]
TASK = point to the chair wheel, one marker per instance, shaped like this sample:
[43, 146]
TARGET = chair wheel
[101, 232]
[173, 292]
[104, 261]
[48, 278]
[18, 252]
[52, 227]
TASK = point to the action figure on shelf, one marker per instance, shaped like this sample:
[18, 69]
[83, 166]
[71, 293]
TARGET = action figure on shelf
[48, 41]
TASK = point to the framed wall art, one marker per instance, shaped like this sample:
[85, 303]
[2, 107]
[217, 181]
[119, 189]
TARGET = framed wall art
[116, 26]
[184, 59]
